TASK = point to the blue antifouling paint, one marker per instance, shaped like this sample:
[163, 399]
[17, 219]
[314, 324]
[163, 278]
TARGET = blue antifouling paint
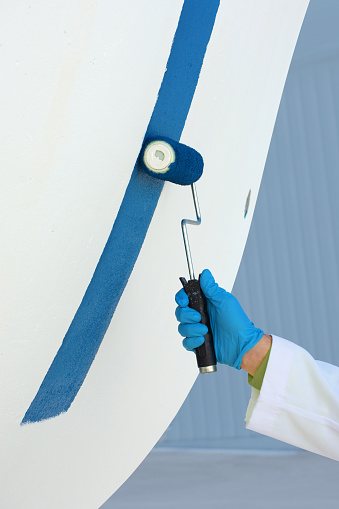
[87, 330]
[186, 169]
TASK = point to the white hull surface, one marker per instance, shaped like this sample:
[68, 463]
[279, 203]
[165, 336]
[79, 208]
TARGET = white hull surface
[79, 85]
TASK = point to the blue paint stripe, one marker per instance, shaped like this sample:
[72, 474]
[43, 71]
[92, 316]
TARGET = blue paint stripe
[87, 330]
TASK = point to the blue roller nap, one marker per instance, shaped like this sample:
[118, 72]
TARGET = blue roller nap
[187, 167]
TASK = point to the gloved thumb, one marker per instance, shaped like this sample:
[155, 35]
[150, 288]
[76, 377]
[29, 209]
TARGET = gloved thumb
[210, 288]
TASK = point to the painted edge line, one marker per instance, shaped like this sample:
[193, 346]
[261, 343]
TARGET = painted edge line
[92, 319]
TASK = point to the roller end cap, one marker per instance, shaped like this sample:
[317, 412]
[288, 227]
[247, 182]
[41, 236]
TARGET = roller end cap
[158, 156]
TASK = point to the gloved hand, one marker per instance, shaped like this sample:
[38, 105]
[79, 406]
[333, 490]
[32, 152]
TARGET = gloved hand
[233, 333]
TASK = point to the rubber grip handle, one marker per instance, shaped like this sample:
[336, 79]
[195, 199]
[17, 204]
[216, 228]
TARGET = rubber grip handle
[205, 353]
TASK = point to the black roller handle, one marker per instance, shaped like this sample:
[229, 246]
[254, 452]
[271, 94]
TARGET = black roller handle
[205, 353]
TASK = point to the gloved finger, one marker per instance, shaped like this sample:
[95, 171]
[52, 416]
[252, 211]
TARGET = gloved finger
[181, 298]
[190, 330]
[192, 343]
[210, 288]
[187, 315]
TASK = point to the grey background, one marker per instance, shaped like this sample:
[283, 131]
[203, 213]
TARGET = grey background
[288, 284]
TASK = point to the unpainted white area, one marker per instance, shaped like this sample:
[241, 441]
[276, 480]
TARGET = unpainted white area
[233, 112]
[79, 97]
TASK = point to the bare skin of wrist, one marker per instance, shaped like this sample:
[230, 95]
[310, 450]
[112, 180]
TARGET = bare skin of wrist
[254, 357]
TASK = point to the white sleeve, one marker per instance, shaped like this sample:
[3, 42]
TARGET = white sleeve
[299, 400]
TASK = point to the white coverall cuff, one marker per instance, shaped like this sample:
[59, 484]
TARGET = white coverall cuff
[299, 400]
[264, 404]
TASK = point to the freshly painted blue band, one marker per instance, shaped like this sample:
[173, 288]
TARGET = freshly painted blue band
[87, 330]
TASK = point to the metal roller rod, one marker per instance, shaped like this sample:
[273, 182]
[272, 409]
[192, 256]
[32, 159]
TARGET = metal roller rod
[184, 224]
[206, 359]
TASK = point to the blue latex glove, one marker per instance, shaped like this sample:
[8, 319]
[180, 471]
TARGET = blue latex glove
[233, 333]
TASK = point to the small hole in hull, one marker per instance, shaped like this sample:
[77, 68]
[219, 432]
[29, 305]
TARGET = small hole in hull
[247, 204]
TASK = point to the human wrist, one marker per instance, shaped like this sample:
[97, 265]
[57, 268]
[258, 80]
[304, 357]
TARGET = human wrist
[254, 357]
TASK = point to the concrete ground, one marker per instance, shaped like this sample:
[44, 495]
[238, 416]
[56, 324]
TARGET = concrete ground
[187, 478]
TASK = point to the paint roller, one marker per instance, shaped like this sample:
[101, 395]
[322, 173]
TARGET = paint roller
[166, 159]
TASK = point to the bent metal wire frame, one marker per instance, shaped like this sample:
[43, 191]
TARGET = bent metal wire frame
[184, 224]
